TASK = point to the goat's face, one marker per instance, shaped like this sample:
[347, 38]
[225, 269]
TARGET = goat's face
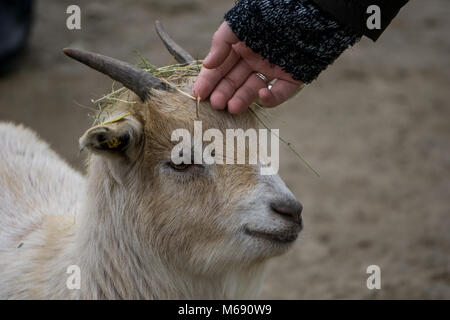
[201, 217]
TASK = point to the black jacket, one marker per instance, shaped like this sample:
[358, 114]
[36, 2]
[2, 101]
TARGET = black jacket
[354, 13]
[305, 36]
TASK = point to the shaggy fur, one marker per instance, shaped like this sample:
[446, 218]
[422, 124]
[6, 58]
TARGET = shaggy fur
[137, 228]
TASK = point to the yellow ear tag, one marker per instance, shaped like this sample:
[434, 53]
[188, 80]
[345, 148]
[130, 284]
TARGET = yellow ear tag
[113, 143]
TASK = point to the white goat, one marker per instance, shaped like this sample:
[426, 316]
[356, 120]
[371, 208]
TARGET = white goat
[138, 226]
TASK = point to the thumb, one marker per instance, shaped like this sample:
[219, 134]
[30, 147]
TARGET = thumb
[281, 91]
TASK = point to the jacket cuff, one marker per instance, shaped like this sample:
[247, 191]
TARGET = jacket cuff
[293, 34]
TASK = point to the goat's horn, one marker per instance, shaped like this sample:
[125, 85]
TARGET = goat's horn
[181, 55]
[137, 80]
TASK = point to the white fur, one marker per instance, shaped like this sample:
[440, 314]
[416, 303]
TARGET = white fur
[52, 217]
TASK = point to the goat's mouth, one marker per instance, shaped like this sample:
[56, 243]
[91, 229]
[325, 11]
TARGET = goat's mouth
[279, 237]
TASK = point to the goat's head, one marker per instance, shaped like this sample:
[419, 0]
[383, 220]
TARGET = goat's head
[202, 217]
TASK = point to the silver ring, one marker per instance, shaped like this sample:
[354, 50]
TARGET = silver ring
[262, 77]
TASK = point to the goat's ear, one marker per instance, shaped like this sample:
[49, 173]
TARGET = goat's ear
[119, 137]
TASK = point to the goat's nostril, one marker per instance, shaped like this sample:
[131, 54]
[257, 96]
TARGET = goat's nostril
[291, 210]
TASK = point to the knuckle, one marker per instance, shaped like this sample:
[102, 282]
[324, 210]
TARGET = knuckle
[231, 83]
[221, 73]
[250, 91]
[247, 94]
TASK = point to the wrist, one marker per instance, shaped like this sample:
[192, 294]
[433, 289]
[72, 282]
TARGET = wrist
[293, 34]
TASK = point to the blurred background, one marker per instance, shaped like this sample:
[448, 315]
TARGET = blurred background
[376, 125]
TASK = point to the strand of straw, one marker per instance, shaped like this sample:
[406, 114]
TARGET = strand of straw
[288, 144]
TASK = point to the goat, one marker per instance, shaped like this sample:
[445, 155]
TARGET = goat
[138, 226]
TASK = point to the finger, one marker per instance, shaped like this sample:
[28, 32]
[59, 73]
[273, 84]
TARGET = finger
[208, 78]
[222, 40]
[281, 91]
[246, 94]
[229, 84]
[255, 60]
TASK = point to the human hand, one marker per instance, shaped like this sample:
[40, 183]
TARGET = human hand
[228, 76]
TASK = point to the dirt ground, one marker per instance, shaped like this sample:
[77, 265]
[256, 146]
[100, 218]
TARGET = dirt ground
[376, 126]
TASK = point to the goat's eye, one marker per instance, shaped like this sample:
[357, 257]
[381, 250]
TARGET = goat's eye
[180, 167]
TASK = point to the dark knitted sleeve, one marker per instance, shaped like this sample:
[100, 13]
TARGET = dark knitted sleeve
[293, 34]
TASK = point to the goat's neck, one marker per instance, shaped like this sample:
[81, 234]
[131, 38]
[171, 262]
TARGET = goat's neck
[115, 264]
